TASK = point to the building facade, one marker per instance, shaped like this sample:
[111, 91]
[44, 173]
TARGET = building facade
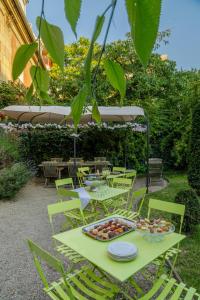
[14, 32]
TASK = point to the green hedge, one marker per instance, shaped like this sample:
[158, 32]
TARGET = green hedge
[194, 154]
[38, 145]
[12, 179]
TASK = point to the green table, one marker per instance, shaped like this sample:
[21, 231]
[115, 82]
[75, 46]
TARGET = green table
[107, 193]
[96, 251]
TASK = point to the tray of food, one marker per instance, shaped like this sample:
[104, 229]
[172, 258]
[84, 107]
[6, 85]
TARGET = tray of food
[109, 229]
[154, 229]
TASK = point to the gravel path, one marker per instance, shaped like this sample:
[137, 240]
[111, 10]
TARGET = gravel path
[25, 217]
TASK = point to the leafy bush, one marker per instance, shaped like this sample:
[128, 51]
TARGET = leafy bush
[8, 148]
[12, 179]
[192, 209]
[194, 155]
[41, 144]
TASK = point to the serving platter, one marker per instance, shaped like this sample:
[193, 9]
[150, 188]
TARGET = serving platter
[109, 229]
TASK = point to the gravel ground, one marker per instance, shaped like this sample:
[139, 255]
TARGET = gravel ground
[25, 218]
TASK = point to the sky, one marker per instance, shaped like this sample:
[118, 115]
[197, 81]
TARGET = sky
[182, 17]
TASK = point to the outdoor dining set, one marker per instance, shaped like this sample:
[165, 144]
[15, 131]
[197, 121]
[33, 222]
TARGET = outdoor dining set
[109, 242]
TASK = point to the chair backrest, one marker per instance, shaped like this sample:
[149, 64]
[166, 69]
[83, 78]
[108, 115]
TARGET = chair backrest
[84, 170]
[42, 255]
[64, 194]
[122, 182]
[169, 207]
[137, 199]
[58, 159]
[119, 169]
[50, 169]
[131, 175]
[62, 207]
[65, 182]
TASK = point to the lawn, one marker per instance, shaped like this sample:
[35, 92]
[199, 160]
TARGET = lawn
[188, 264]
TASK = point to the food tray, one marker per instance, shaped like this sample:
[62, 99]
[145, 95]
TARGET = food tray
[120, 226]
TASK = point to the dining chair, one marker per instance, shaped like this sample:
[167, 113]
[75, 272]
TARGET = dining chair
[133, 206]
[131, 175]
[65, 182]
[50, 171]
[77, 285]
[72, 209]
[168, 288]
[81, 178]
[172, 208]
[119, 169]
[84, 170]
[63, 208]
[120, 183]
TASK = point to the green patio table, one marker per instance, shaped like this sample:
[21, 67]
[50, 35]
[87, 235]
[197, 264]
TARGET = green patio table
[96, 251]
[106, 193]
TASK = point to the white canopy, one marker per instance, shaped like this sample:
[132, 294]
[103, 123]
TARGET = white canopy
[57, 114]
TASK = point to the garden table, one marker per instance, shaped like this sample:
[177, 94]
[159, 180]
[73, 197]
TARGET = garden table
[106, 193]
[96, 251]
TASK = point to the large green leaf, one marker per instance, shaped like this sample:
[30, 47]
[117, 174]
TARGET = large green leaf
[40, 79]
[144, 17]
[72, 12]
[22, 56]
[87, 67]
[53, 40]
[95, 112]
[116, 76]
[78, 105]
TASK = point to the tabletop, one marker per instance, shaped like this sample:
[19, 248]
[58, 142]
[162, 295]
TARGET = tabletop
[106, 193]
[96, 251]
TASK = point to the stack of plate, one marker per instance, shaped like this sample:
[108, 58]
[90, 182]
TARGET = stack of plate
[122, 251]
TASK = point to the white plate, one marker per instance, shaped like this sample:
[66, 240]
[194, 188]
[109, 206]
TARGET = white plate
[122, 249]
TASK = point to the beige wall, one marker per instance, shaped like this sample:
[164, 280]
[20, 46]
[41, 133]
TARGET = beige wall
[10, 40]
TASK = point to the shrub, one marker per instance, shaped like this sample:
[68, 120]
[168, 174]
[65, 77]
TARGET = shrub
[194, 154]
[12, 179]
[192, 209]
[8, 148]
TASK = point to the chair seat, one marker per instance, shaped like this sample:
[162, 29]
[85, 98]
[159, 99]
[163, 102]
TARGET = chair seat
[84, 284]
[72, 255]
[126, 213]
[168, 288]
[77, 216]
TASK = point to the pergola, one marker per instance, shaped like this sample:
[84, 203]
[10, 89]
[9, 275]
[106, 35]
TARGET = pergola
[62, 115]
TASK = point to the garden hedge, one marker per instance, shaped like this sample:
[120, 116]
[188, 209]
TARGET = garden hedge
[194, 153]
[38, 145]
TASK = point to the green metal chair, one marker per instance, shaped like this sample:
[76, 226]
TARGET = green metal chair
[84, 170]
[64, 208]
[168, 288]
[136, 201]
[65, 182]
[121, 183]
[131, 175]
[82, 284]
[81, 178]
[72, 209]
[172, 208]
[119, 169]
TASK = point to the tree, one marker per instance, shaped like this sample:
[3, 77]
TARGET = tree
[194, 153]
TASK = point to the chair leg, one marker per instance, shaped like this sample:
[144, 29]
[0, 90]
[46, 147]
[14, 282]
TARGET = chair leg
[46, 181]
